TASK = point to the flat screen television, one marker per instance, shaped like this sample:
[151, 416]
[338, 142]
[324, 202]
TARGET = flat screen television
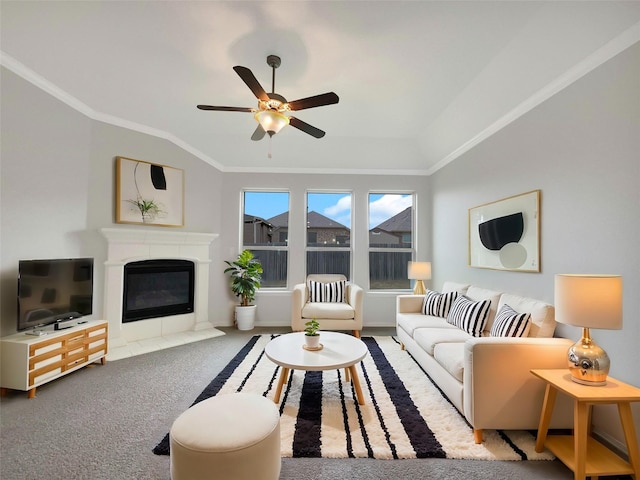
[53, 290]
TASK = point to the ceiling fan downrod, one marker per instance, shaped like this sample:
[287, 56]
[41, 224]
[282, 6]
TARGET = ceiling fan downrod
[274, 62]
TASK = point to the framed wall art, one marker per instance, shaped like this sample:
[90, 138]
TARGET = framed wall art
[505, 234]
[148, 193]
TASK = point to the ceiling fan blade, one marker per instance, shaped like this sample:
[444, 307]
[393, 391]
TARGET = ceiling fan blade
[226, 109]
[315, 101]
[247, 77]
[305, 127]
[258, 134]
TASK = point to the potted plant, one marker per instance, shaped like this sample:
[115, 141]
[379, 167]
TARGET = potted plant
[149, 209]
[311, 335]
[246, 275]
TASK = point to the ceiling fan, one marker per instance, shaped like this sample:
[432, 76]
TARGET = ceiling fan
[272, 110]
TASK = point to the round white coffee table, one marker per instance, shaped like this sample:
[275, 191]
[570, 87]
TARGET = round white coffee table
[338, 351]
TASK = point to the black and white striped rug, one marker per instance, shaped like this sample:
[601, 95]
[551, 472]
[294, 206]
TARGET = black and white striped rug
[405, 415]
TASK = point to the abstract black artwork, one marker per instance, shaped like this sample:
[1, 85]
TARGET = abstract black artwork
[497, 232]
[505, 234]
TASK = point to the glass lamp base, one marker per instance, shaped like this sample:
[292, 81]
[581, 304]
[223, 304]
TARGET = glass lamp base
[588, 363]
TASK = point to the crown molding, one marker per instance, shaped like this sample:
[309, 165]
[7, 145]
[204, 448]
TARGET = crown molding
[620, 43]
[628, 38]
[29, 75]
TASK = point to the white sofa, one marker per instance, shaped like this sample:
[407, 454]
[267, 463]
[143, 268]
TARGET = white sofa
[487, 378]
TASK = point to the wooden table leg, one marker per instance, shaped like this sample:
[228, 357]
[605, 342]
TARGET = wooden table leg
[626, 418]
[347, 375]
[356, 384]
[580, 434]
[284, 374]
[549, 402]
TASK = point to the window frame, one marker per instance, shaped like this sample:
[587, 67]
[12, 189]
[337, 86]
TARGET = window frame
[254, 248]
[414, 228]
[348, 248]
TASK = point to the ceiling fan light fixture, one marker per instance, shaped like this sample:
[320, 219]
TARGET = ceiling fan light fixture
[272, 121]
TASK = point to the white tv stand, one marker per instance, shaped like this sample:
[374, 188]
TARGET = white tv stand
[29, 361]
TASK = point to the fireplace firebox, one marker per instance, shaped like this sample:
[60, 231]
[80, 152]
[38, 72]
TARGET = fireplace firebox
[157, 288]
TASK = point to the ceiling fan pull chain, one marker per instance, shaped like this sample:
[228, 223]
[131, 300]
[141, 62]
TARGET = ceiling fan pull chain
[269, 154]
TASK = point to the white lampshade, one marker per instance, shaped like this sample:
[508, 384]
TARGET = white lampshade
[419, 270]
[272, 121]
[589, 301]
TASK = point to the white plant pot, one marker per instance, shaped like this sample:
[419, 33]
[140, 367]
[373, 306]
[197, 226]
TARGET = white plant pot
[246, 317]
[312, 341]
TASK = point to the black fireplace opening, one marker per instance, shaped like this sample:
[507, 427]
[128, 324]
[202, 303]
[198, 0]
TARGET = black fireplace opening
[157, 288]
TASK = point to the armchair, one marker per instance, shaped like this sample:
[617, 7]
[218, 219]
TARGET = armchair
[345, 315]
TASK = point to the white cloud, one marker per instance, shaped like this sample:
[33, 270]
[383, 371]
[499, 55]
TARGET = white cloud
[386, 207]
[339, 209]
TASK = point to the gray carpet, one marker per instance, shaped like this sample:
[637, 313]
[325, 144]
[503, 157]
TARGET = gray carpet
[101, 422]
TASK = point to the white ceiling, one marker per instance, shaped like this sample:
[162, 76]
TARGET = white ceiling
[420, 82]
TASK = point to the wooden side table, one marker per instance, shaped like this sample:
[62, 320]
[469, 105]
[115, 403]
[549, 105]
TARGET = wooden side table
[584, 455]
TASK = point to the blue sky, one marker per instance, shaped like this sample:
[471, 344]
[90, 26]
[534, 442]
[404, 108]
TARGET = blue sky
[336, 206]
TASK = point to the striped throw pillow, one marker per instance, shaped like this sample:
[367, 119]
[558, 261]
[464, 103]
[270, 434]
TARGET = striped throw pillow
[332, 292]
[468, 315]
[509, 323]
[438, 304]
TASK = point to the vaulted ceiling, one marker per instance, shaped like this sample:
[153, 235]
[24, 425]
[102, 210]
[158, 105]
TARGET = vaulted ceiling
[420, 82]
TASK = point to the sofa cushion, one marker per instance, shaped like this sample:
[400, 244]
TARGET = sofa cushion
[509, 323]
[468, 315]
[542, 323]
[410, 321]
[332, 292]
[428, 338]
[455, 287]
[451, 357]
[326, 310]
[438, 304]
[477, 294]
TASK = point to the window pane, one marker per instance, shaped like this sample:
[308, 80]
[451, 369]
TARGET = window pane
[328, 219]
[329, 261]
[390, 221]
[266, 218]
[274, 266]
[388, 270]
[266, 232]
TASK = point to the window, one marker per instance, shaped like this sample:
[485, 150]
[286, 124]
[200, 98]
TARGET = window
[391, 244]
[265, 232]
[329, 233]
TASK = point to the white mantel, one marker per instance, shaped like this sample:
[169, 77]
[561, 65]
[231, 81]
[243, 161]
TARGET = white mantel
[127, 245]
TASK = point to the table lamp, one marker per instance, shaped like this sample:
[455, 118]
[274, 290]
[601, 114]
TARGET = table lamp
[419, 271]
[589, 301]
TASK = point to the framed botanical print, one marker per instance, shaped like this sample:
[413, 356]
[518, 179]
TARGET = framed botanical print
[149, 193]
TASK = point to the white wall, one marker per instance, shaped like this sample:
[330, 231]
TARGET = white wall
[581, 148]
[274, 306]
[58, 184]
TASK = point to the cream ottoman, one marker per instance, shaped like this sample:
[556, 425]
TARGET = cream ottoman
[227, 437]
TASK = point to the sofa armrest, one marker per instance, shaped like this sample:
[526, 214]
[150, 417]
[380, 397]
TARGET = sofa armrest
[298, 299]
[409, 303]
[355, 298]
[499, 389]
